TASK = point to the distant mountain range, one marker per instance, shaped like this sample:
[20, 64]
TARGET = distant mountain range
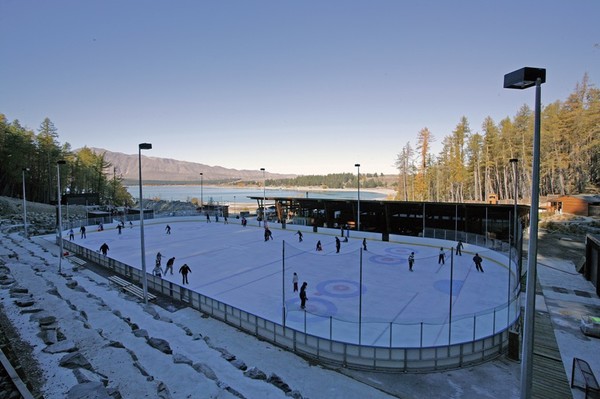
[170, 171]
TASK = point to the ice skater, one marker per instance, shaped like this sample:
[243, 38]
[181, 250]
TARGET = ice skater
[71, 235]
[338, 244]
[157, 271]
[158, 259]
[82, 231]
[207, 218]
[168, 229]
[364, 244]
[104, 249]
[244, 222]
[184, 270]
[442, 257]
[268, 234]
[459, 247]
[169, 265]
[411, 261]
[303, 297]
[295, 281]
[299, 234]
[477, 259]
[119, 227]
[319, 246]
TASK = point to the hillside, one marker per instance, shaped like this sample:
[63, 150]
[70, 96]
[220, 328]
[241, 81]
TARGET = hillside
[165, 170]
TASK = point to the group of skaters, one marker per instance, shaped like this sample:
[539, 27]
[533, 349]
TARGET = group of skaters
[319, 246]
[442, 257]
[158, 272]
[83, 230]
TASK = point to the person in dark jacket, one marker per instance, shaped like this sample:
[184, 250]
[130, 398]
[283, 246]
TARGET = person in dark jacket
[104, 249]
[184, 270]
[303, 297]
[169, 266]
[477, 259]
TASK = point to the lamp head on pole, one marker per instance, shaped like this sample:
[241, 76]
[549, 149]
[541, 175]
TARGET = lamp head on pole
[513, 160]
[59, 162]
[357, 165]
[524, 78]
[145, 146]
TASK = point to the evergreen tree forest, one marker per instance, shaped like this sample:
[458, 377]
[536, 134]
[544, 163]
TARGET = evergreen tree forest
[34, 156]
[476, 163]
[332, 180]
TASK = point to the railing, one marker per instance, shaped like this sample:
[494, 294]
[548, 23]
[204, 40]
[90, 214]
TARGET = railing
[393, 347]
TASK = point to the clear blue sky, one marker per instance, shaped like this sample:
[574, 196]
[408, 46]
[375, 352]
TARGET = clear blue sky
[305, 87]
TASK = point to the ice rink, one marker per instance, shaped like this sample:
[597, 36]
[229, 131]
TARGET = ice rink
[235, 265]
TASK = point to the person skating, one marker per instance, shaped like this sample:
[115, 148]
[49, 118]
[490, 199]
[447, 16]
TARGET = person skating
[268, 234]
[299, 234]
[82, 231]
[207, 218]
[477, 259]
[104, 249]
[364, 244]
[169, 266]
[71, 235]
[184, 270]
[319, 246]
[459, 247]
[119, 227]
[442, 257]
[303, 297]
[295, 281]
[168, 229]
[411, 261]
[158, 259]
[157, 271]
[338, 244]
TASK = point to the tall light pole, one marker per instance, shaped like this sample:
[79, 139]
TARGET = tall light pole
[201, 192]
[514, 162]
[25, 204]
[143, 146]
[264, 213]
[523, 79]
[58, 204]
[358, 185]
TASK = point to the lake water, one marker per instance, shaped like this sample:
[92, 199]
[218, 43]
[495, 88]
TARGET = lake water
[240, 195]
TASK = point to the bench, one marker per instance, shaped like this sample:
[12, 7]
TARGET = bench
[119, 281]
[139, 292]
[77, 260]
[587, 382]
[130, 287]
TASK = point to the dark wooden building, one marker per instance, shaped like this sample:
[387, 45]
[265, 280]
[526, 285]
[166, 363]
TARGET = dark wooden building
[400, 217]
